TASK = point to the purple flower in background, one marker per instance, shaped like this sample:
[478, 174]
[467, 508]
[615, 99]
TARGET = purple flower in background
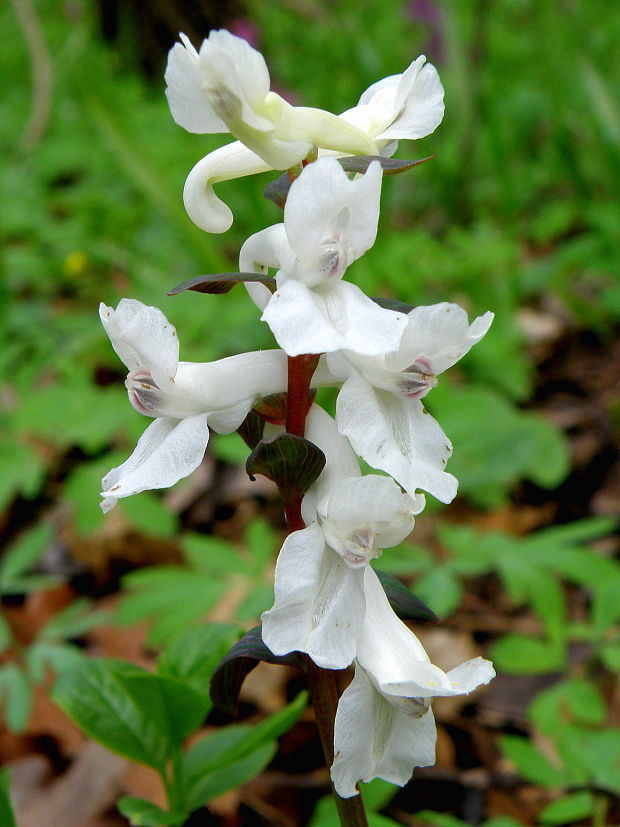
[430, 14]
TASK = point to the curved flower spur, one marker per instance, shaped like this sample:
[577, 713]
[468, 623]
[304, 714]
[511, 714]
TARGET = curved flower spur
[224, 88]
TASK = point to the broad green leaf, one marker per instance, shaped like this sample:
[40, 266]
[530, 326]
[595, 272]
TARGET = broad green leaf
[439, 819]
[609, 653]
[233, 743]
[149, 514]
[141, 813]
[176, 708]
[441, 590]
[378, 793]
[212, 554]
[530, 763]
[59, 657]
[73, 621]
[22, 555]
[523, 655]
[6, 635]
[569, 809]
[193, 655]
[16, 693]
[258, 601]
[7, 817]
[234, 775]
[605, 604]
[96, 698]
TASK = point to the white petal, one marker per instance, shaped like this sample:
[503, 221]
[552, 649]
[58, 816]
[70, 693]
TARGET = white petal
[324, 204]
[143, 338]
[228, 382]
[203, 206]
[189, 106]
[319, 602]
[471, 674]
[440, 333]
[390, 652]
[396, 660]
[167, 451]
[422, 107]
[231, 66]
[263, 250]
[331, 317]
[341, 461]
[397, 436]
[373, 739]
[372, 500]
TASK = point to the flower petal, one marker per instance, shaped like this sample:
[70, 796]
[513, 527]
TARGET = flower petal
[373, 739]
[397, 436]
[419, 98]
[189, 106]
[372, 500]
[323, 203]
[440, 333]
[205, 209]
[143, 338]
[319, 602]
[334, 316]
[229, 382]
[263, 250]
[167, 451]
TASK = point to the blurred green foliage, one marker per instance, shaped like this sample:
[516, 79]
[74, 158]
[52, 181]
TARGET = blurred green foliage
[520, 208]
[521, 201]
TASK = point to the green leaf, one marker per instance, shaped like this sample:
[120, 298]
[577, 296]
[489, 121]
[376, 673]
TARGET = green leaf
[148, 514]
[523, 655]
[568, 809]
[378, 793]
[440, 819]
[7, 817]
[73, 621]
[530, 763]
[193, 654]
[406, 605]
[22, 555]
[176, 707]
[233, 743]
[141, 813]
[292, 462]
[210, 555]
[441, 590]
[244, 656]
[609, 653]
[223, 283]
[605, 604]
[57, 656]
[17, 694]
[6, 635]
[96, 698]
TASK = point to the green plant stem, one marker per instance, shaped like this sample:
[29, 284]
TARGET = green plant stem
[599, 813]
[322, 683]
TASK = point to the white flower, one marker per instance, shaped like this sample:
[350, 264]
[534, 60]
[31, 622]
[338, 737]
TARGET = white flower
[185, 397]
[319, 593]
[379, 407]
[329, 222]
[406, 106]
[384, 725]
[225, 88]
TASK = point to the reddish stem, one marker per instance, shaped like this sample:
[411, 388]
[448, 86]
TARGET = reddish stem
[322, 683]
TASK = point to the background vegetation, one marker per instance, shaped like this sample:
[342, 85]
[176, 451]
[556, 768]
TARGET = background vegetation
[518, 213]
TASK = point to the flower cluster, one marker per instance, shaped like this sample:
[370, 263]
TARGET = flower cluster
[329, 601]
